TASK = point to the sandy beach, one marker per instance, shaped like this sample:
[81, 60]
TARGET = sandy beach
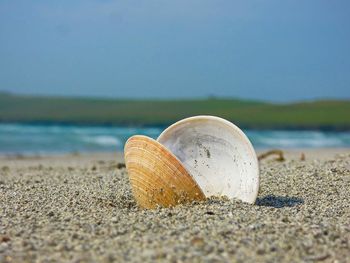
[79, 208]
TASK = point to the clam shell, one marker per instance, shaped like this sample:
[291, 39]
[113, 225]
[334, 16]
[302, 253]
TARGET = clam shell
[217, 154]
[156, 175]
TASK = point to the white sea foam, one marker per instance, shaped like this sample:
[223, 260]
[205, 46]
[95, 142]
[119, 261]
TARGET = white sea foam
[298, 142]
[104, 140]
[299, 139]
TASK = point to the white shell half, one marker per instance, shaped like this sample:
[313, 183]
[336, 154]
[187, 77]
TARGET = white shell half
[217, 154]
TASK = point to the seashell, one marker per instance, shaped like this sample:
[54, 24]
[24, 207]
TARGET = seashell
[217, 154]
[157, 177]
[193, 159]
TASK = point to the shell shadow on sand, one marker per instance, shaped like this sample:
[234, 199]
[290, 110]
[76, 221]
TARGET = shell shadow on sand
[279, 201]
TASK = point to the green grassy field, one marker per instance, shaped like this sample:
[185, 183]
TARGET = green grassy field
[330, 115]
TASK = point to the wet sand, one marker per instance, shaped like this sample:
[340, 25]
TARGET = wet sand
[79, 208]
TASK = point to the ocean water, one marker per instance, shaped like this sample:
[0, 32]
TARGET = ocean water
[51, 139]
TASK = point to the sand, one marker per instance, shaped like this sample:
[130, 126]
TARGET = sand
[79, 208]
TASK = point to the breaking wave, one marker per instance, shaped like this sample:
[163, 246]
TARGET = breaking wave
[102, 140]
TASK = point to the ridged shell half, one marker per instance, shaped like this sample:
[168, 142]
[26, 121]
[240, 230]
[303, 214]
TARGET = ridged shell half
[156, 175]
[217, 154]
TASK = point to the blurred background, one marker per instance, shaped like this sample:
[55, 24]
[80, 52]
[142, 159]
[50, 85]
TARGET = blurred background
[80, 76]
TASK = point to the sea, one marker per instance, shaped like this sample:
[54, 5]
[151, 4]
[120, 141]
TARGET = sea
[28, 139]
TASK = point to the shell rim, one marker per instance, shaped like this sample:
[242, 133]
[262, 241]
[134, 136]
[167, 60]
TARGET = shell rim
[228, 124]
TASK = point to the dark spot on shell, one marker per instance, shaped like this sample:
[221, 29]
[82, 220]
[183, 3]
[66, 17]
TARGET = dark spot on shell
[207, 152]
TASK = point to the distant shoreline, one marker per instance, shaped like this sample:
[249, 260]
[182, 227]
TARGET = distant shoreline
[322, 115]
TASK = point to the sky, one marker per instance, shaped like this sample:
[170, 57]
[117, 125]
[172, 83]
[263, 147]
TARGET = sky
[268, 50]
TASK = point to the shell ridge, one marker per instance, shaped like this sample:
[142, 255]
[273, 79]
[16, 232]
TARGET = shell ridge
[157, 177]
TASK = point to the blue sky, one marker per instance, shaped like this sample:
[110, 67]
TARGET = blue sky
[257, 49]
